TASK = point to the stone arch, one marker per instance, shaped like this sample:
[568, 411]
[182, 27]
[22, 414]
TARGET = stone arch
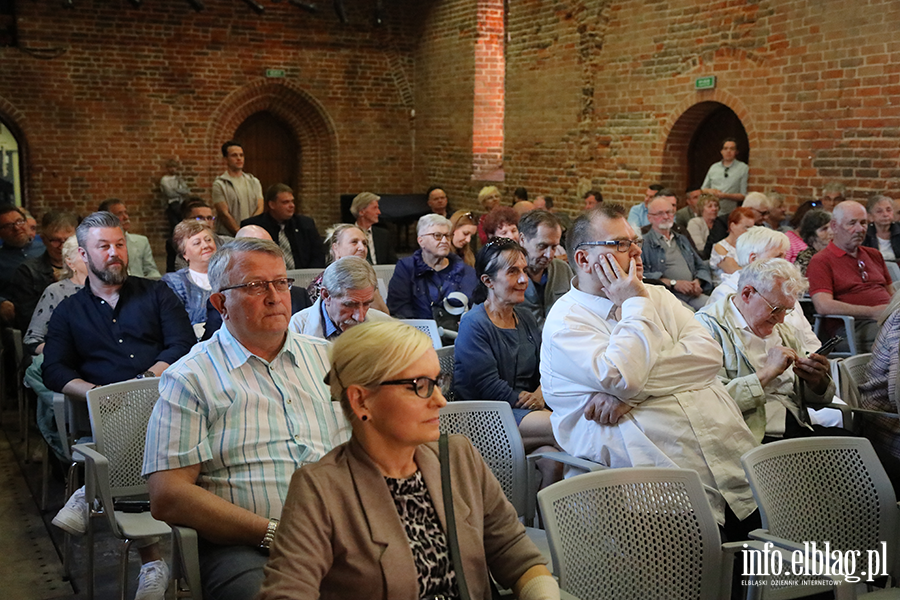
[14, 119]
[681, 124]
[312, 127]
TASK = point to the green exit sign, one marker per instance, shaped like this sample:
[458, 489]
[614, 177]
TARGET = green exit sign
[705, 83]
[274, 72]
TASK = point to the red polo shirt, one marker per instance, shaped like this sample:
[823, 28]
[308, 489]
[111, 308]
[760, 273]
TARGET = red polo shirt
[834, 271]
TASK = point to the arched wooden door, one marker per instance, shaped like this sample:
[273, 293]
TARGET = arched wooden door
[706, 143]
[271, 150]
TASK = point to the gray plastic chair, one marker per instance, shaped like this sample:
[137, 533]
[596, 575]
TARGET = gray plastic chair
[119, 416]
[446, 357]
[636, 533]
[825, 489]
[428, 326]
[849, 327]
[851, 373]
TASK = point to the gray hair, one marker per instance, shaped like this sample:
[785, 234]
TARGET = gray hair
[97, 220]
[758, 240]
[834, 186]
[765, 275]
[348, 273]
[361, 201]
[220, 263]
[875, 200]
[430, 221]
[756, 200]
[840, 211]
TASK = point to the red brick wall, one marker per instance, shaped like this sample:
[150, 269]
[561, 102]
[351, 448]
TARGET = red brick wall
[103, 94]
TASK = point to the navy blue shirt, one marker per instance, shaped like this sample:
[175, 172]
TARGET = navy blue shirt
[88, 339]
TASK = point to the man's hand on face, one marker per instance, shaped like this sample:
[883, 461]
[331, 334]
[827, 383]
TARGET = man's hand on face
[618, 286]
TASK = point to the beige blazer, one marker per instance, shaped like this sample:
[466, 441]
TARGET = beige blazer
[340, 536]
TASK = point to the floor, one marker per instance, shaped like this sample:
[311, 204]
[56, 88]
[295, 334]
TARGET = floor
[31, 565]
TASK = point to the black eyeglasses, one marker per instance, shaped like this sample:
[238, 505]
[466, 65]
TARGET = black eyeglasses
[621, 245]
[775, 310]
[258, 288]
[422, 386]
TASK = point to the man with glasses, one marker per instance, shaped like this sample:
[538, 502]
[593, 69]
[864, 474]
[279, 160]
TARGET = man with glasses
[847, 278]
[671, 260]
[727, 179]
[631, 376]
[236, 417]
[767, 368]
[35, 274]
[422, 282]
[18, 246]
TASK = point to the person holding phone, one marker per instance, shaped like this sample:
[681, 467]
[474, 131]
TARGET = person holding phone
[771, 372]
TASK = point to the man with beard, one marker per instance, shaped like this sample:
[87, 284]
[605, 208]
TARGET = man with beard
[115, 328]
[548, 278]
[348, 289]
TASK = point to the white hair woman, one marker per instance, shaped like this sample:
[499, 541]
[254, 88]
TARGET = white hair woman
[345, 239]
[196, 242]
[368, 519]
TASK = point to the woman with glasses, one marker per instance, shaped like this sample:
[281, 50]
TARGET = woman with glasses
[368, 519]
[195, 242]
[499, 347]
[815, 231]
[463, 227]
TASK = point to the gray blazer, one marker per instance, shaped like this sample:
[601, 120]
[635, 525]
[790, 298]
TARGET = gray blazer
[340, 536]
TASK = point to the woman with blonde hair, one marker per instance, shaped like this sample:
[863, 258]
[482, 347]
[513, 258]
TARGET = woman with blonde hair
[196, 242]
[489, 198]
[462, 230]
[368, 519]
[345, 239]
[698, 227]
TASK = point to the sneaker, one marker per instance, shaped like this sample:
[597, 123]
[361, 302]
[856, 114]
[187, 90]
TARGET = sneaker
[73, 517]
[153, 581]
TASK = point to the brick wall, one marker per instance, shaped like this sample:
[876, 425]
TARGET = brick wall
[103, 94]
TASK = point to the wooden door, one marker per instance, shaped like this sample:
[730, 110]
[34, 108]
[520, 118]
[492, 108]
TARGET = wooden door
[271, 152]
[706, 143]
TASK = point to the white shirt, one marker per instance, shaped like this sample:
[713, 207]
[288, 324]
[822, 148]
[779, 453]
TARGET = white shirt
[660, 360]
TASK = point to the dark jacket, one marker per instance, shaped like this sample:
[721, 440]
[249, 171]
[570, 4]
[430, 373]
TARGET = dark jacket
[26, 286]
[306, 243]
[384, 247]
[415, 286]
[872, 239]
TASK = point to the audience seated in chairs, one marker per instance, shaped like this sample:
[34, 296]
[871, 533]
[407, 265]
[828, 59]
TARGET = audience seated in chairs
[140, 257]
[767, 368]
[497, 353]
[631, 376]
[18, 246]
[540, 233]
[196, 242]
[503, 222]
[366, 519]
[883, 234]
[699, 227]
[115, 328]
[722, 257]
[463, 227]
[345, 239]
[489, 198]
[366, 212]
[880, 392]
[846, 278]
[815, 230]
[236, 416]
[348, 291]
[296, 234]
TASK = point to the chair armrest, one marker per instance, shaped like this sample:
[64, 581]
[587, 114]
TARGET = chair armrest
[59, 414]
[186, 559]
[96, 477]
[849, 327]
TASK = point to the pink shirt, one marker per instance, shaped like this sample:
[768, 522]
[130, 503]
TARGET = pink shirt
[797, 246]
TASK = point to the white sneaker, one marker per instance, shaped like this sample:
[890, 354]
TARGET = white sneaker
[73, 517]
[153, 581]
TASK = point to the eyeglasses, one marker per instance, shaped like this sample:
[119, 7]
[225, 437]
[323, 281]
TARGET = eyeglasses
[775, 310]
[621, 245]
[862, 270]
[16, 223]
[54, 240]
[258, 288]
[423, 386]
[438, 236]
[209, 219]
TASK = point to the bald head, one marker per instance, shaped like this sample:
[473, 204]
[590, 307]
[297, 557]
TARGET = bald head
[253, 231]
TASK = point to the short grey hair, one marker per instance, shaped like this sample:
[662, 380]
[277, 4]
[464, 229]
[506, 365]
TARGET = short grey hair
[431, 220]
[765, 275]
[756, 200]
[97, 220]
[348, 273]
[221, 262]
[361, 201]
[758, 240]
[875, 200]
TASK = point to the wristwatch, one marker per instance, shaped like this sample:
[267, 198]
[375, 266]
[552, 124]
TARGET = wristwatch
[145, 374]
[266, 542]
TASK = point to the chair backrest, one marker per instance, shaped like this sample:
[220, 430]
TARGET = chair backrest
[119, 414]
[303, 277]
[491, 427]
[633, 533]
[852, 373]
[825, 489]
[430, 327]
[446, 357]
[384, 272]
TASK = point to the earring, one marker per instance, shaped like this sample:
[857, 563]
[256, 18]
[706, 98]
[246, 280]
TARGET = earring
[364, 417]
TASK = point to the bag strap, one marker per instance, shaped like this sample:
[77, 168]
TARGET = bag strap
[451, 518]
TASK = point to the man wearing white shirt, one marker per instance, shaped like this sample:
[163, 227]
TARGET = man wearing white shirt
[632, 377]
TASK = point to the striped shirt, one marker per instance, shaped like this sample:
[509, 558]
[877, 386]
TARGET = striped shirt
[249, 423]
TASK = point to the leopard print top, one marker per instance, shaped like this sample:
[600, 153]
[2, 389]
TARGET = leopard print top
[426, 537]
